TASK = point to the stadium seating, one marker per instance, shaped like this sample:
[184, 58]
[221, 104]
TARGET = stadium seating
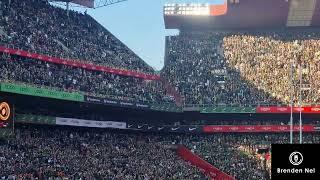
[90, 154]
[234, 153]
[36, 26]
[23, 70]
[242, 68]
[76, 153]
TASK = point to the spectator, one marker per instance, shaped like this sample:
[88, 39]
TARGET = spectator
[41, 152]
[23, 70]
[242, 69]
[36, 26]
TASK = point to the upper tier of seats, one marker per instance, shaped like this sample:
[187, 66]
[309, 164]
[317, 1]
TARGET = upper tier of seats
[36, 26]
[244, 68]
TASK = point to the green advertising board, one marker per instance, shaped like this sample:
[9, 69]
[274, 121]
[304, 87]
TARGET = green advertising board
[35, 119]
[40, 92]
[228, 110]
[166, 107]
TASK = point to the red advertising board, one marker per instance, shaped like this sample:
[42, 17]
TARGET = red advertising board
[287, 109]
[256, 128]
[80, 64]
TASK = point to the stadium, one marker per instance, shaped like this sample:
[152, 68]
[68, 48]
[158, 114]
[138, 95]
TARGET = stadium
[78, 103]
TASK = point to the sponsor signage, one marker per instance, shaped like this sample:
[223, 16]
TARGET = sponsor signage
[79, 63]
[256, 128]
[99, 100]
[40, 92]
[295, 161]
[276, 109]
[90, 123]
[228, 110]
[166, 128]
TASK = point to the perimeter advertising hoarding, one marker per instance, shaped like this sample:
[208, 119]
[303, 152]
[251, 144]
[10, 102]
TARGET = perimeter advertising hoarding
[256, 128]
[90, 123]
[287, 109]
[105, 101]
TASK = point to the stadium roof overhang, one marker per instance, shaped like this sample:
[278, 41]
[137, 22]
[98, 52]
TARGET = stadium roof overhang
[252, 14]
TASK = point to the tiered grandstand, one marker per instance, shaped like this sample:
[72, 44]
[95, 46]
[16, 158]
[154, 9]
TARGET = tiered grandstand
[77, 103]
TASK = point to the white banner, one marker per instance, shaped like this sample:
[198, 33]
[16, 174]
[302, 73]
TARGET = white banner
[90, 123]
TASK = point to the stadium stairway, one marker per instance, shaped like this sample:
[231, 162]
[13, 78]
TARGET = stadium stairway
[62, 45]
[3, 33]
[172, 92]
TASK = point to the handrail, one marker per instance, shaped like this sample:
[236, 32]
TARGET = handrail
[75, 60]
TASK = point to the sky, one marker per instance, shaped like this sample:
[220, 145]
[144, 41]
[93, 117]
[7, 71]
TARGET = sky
[140, 25]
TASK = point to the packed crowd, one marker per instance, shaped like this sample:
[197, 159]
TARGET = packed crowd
[243, 68]
[226, 152]
[212, 68]
[36, 26]
[34, 72]
[265, 60]
[42, 152]
[197, 68]
[78, 153]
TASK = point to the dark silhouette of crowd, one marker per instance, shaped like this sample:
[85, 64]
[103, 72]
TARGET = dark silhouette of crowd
[36, 26]
[33, 72]
[243, 68]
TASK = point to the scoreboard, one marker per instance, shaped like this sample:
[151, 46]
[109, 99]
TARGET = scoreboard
[196, 9]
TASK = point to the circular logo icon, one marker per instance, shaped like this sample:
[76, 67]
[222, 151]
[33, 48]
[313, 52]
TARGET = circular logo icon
[4, 111]
[296, 158]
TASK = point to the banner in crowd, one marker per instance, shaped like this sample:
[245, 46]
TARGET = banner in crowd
[165, 129]
[256, 128]
[228, 110]
[208, 169]
[90, 123]
[105, 101]
[276, 109]
[41, 92]
[80, 64]
[35, 119]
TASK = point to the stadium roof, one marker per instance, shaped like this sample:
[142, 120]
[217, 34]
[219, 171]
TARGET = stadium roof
[243, 14]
